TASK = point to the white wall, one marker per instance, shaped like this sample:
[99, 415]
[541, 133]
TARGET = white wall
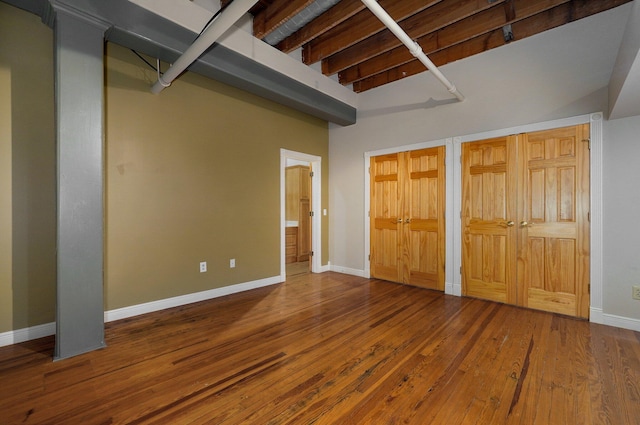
[621, 214]
[561, 73]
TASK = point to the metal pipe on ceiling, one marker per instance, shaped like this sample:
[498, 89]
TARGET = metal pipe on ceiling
[413, 47]
[210, 35]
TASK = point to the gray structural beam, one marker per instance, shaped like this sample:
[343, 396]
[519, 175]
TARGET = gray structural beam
[136, 28]
[79, 50]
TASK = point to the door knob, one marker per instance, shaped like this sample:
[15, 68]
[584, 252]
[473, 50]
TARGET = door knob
[526, 224]
[399, 220]
[507, 223]
[408, 221]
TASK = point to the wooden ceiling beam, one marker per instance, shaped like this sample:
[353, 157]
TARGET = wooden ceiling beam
[358, 27]
[438, 16]
[555, 17]
[276, 14]
[466, 29]
[323, 23]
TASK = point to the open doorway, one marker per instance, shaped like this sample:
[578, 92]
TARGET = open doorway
[297, 207]
[300, 218]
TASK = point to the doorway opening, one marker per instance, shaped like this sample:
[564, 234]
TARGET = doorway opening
[300, 213]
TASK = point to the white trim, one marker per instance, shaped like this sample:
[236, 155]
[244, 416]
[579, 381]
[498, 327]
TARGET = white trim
[621, 322]
[39, 331]
[325, 268]
[316, 206]
[449, 233]
[596, 315]
[27, 334]
[347, 270]
[528, 128]
[454, 216]
[596, 266]
[135, 310]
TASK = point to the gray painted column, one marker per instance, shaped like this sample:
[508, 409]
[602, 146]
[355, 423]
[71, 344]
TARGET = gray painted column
[79, 48]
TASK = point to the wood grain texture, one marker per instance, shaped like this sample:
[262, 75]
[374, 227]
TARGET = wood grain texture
[333, 349]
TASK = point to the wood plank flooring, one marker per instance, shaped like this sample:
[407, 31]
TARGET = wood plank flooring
[333, 349]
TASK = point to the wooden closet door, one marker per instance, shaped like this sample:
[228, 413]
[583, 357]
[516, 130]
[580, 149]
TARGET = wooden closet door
[423, 247]
[553, 254]
[385, 216]
[488, 219]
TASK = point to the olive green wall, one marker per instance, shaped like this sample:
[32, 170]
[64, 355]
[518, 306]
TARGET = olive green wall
[193, 174]
[27, 171]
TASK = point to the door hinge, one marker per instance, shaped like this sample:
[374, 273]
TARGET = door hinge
[369, 257]
[311, 253]
[310, 173]
[589, 216]
[460, 269]
[310, 213]
[588, 142]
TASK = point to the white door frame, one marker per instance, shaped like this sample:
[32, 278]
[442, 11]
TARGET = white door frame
[316, 205]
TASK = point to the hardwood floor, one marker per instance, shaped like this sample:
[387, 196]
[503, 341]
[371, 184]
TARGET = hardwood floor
[333, 349]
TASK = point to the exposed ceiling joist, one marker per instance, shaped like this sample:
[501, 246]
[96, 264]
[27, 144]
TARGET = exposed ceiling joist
[350, 42]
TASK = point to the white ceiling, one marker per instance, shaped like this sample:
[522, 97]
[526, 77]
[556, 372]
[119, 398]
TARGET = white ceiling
[624, 87]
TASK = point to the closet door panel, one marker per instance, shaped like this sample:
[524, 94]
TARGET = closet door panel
[488, 211]
[386, 220]
[553, 220]
[424, 223]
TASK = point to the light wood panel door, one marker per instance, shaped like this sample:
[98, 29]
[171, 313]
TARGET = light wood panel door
[424, 227]
[525, 212]
[408, 217]
[553, 220]
[488, 219]
[386, 218]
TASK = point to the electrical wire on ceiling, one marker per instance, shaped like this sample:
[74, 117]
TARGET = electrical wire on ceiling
[209, 22]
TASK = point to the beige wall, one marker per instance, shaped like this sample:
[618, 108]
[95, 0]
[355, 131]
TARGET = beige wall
[27, 171]
[193, 174]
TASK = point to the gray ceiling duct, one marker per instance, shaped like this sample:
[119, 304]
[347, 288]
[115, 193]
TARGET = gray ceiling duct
[305, 16]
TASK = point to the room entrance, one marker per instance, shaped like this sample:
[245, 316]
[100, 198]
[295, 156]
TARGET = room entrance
[300, 213]
[298, 217]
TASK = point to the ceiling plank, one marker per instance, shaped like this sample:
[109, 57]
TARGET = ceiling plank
[432, 19]
[323, 23]
[535, 24]
[468, 28]
[358, 27]
[271, 17]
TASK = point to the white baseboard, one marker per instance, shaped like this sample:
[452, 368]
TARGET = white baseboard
[39, 331]
[622, 322]
[452, 289]
[135, 310]
[325, 268]
[347, 270]
[596, 315]
[27, 334]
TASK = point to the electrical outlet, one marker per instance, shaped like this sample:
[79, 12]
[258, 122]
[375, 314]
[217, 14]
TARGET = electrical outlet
[232, 263]
[203, 266]
[635, 292]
